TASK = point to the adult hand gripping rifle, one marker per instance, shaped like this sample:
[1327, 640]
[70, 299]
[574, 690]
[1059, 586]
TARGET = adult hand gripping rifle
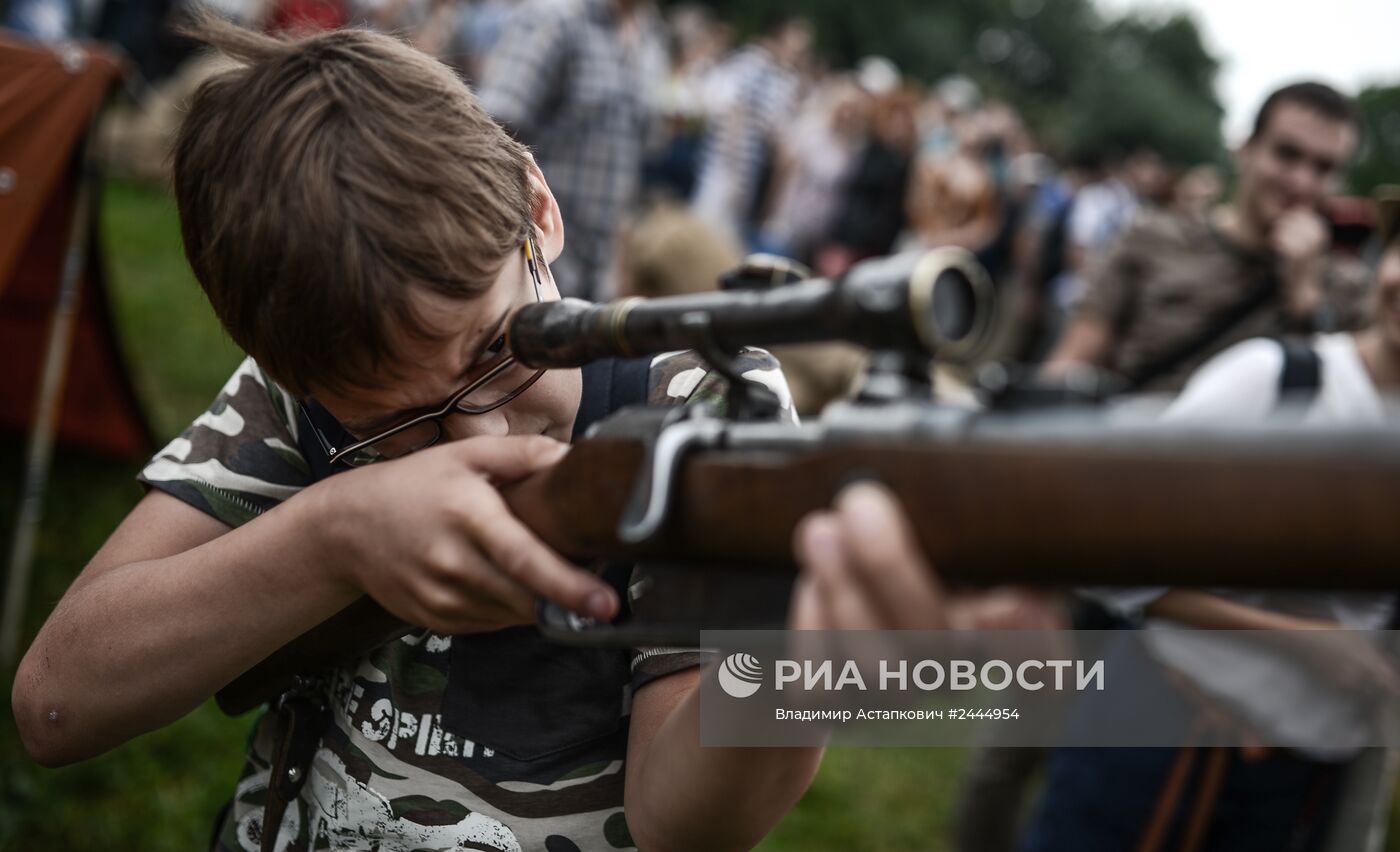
[706, 503]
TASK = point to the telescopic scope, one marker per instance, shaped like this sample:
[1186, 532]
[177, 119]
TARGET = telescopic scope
[937, 302]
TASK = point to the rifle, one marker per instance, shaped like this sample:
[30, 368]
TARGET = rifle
[1063, 495]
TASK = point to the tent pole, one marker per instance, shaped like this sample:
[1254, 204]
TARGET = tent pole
[39, 453]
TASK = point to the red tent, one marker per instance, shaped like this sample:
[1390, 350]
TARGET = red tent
[49, 98]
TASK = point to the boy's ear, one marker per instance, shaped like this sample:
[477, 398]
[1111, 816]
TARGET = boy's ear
[549, 224]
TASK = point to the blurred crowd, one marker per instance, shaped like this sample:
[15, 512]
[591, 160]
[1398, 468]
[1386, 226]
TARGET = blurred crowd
[674, 148]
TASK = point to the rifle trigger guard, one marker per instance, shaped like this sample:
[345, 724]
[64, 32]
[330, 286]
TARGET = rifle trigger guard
[649, 505]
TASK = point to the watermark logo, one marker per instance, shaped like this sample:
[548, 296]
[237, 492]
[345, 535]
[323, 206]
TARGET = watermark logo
[740, 675]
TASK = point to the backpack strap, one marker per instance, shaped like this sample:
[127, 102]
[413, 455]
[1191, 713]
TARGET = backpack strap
[1301, 377]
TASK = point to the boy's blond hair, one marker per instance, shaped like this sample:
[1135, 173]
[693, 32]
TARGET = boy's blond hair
[323, 178]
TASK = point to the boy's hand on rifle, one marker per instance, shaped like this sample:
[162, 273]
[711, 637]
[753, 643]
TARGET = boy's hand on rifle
[863, 569]
[429, 537]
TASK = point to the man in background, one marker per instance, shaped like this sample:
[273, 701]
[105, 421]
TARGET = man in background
[1177, 290]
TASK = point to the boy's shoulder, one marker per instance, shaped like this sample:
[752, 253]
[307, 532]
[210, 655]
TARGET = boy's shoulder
[240, 457]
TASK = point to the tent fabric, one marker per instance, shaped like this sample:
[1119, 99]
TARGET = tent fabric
[49, 97]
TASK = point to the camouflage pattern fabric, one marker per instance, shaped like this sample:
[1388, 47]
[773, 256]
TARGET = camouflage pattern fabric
[532, 751]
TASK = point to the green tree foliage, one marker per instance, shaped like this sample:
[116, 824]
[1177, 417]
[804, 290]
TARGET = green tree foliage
[1378, 160]
[1080, 80]
[1151, 84]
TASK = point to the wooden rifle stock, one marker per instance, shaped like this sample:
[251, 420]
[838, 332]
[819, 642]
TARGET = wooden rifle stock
[1163, 511]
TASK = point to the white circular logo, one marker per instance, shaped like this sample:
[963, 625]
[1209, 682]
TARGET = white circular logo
[740, 675]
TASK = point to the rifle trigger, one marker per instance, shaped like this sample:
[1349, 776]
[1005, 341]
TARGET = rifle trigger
[649, 504]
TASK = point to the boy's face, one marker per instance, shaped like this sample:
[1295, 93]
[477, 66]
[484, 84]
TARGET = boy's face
[428, 372]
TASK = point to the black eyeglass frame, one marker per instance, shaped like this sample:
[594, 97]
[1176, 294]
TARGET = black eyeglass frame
[345, 456]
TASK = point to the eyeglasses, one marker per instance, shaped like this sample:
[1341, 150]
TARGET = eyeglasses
[504, 380]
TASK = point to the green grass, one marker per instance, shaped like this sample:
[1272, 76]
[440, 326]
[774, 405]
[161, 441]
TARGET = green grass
[175, 347]
[875, 800]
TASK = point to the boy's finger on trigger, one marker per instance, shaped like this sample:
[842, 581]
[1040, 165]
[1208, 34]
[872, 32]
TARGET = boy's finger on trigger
[522, 557]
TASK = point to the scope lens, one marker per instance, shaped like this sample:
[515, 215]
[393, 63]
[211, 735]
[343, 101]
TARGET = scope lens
[954, 305]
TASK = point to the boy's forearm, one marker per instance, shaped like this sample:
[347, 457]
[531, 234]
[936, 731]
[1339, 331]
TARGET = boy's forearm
[683, 797]
[142, 643]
